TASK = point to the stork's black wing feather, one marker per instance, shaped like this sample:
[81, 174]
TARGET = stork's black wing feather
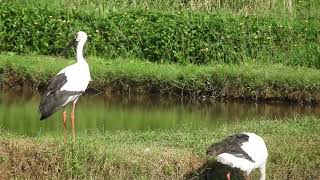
[54, 98]
[56, 83]
[232, 145]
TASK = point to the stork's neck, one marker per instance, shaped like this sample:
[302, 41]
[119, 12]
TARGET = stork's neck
[80, 46]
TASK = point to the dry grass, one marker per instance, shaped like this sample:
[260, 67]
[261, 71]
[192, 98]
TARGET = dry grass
[25, 158]
[240, 7]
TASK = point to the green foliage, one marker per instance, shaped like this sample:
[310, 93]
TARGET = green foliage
[164, 36]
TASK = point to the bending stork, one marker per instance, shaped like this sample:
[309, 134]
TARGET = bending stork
[67, 85]
[245, 151]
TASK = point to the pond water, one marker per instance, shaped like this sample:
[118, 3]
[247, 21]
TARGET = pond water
[19, 113]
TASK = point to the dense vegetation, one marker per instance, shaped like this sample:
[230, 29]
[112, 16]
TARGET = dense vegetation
[186, 36]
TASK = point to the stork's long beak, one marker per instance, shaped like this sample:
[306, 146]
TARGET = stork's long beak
[72, 43]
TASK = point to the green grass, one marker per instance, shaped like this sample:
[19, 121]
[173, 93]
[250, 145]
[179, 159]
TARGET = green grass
[243, 81]
[293, 147]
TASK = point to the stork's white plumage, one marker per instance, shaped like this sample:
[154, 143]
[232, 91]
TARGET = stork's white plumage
[246, 151]
[67, 85]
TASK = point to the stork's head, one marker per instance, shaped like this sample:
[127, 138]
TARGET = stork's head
[80, 37]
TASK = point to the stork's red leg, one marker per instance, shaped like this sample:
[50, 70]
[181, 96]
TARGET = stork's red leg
[64, 115]
[228, 176]
[72, 122]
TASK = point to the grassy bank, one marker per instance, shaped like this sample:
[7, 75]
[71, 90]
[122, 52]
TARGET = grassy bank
[293, 147]
[243, 81]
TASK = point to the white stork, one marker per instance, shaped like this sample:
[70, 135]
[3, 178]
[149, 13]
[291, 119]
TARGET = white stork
[67, 85]
[245, 151]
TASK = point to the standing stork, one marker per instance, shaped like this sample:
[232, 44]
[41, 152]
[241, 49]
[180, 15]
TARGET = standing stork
[67, 85]
[245, 151]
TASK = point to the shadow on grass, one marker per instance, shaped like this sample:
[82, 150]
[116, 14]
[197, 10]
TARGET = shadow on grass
[214, 170]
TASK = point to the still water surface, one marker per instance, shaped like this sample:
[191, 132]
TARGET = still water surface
[19, 113]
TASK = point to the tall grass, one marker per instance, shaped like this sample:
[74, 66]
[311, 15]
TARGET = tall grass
[101, 7]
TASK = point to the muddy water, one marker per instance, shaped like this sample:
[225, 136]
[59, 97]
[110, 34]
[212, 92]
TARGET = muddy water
[18, 113]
